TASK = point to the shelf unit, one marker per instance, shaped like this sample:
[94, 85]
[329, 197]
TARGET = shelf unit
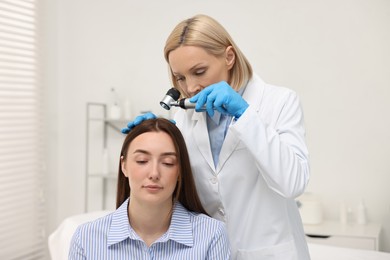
[97, 113]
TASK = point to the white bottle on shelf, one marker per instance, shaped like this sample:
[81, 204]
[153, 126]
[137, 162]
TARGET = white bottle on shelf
[343, 213]
[114, 109]
[350, 215]
[361, 213]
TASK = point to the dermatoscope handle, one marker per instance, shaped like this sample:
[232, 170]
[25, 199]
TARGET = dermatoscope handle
[186, 104]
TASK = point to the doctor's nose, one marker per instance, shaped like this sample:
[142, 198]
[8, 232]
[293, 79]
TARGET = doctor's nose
[193, 87]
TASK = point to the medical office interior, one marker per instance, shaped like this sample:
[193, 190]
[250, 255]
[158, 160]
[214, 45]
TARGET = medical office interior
[101, 63]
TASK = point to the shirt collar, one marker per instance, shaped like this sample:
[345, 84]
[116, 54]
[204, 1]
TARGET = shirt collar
[216, 117]
[120, 228]
[242, 90]
[180, 229]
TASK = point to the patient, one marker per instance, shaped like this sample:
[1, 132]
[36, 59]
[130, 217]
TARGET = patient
[159, 214]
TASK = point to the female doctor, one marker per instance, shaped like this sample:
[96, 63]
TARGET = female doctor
[248, 150]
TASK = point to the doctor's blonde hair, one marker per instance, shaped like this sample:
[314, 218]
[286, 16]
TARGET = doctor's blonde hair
[205, 32]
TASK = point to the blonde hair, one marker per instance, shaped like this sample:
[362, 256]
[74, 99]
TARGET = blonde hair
[205, 32]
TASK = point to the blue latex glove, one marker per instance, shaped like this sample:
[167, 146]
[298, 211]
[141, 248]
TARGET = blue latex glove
[221, 97]
[138, 121]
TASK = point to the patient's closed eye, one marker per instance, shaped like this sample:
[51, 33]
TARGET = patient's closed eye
[141, 161]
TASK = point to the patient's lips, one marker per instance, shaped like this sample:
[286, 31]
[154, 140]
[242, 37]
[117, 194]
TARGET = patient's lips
[153, 187]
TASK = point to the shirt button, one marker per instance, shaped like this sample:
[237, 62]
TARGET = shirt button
[221, 211]
[214, 180]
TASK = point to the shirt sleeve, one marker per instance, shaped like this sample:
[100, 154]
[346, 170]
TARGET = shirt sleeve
[219, 247]
[76, 251]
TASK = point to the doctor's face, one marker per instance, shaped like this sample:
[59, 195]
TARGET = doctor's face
[195, 69]
[152, 168]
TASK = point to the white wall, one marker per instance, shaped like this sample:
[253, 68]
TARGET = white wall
[334, 53]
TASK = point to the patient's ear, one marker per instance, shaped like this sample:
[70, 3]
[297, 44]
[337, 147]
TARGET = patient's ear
[123, 164]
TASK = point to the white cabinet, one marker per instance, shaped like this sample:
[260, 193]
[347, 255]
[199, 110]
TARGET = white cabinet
[344, 235]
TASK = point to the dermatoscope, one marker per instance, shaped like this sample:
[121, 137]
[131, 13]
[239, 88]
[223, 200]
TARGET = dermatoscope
[171, 99]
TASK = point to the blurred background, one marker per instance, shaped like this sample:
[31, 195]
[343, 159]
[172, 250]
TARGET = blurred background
[103, 59]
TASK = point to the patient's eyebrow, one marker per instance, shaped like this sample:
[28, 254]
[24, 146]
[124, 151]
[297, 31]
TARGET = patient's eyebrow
[169, 154]
[141, 151]
[148, 153]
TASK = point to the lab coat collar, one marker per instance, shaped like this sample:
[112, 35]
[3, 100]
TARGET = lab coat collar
[253, 94]
[200, 134]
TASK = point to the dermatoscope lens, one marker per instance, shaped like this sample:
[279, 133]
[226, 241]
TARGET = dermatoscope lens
[171, 95]
[165, 106]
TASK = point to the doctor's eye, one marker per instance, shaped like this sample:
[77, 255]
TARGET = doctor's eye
[200, 72]
[179, 79]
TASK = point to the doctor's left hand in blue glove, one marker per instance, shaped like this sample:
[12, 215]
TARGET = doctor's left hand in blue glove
[138, 121]
[221, 97]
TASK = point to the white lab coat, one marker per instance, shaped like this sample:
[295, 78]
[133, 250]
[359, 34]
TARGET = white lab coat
[263, 166]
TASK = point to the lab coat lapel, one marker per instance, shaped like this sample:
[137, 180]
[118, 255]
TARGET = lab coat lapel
[254, 92]
[201, 137]
[228, 146]
[253, 95]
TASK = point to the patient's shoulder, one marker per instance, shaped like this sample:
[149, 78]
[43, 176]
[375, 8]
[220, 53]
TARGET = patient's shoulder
[100, 225]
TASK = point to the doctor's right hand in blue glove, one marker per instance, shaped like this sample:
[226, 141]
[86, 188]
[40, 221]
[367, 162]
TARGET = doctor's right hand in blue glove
[138, 121]
[221, 97]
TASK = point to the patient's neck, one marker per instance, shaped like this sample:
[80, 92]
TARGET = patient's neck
[150, 221]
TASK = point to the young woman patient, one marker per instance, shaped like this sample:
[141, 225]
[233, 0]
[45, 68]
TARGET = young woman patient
[159, 214]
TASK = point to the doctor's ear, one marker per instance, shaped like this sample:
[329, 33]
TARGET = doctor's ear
[230, 56]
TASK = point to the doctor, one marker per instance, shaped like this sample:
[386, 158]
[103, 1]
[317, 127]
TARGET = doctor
[248, 150]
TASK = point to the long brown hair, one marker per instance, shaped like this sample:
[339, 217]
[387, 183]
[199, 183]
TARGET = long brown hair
[185, 191]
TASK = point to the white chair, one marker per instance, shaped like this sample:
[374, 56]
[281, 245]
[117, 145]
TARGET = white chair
[59, 240]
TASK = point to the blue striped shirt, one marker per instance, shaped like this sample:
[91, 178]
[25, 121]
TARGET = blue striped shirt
[218, 126]
[190, 236]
